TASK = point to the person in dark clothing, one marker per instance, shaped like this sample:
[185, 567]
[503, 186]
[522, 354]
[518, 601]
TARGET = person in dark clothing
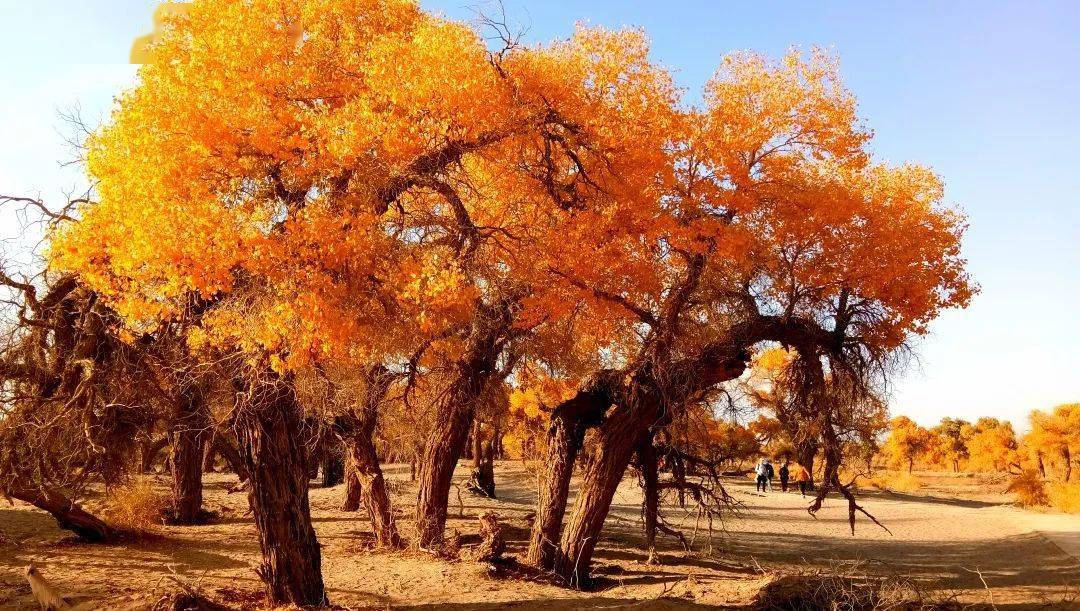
[785, 474]
[770, 473]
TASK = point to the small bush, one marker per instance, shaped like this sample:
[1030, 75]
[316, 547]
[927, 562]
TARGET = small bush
[136, 505]
[1065, 497]
[896, 481]
[1029, 489]
[848, 588]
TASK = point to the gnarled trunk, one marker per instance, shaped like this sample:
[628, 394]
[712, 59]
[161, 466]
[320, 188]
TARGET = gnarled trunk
[268, 428]
[231, 454]
[333, 470]
[440, 456]
[454, 416]
[483, 455]
[351, 500]
[148, 451]
[569, 421]
[364, 481]
[619, 436]
[373, 494]
[209, 452]
[191, 426]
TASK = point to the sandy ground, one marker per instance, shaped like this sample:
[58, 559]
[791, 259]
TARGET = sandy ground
[945, 537]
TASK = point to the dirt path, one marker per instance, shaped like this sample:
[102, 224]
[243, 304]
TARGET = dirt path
[937, 540]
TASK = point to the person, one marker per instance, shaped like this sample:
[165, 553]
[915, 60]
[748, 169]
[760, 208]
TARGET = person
[762, 476]
[785, 474]
[770, 473]
[802, 478]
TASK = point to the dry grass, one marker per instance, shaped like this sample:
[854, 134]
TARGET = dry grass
[1065, 497]
[847, 586]
[1029, 490]
[896, 481]
[135, 505]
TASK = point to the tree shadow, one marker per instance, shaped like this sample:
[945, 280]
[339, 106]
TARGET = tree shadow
[935, 500]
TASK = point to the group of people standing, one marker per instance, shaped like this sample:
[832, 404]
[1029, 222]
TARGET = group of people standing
[788, 471]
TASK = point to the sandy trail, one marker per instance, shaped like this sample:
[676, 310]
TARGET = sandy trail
[938, 540]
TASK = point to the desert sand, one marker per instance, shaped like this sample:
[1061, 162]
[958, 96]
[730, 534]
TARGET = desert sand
[950, 536]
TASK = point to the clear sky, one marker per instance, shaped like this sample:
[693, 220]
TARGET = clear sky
[985, 92]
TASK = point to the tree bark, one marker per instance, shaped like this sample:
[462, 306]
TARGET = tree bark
[190, 428]
[650, 480]
[69, 515]
[454, 414]
[351, 501]
[268, 427]
[618, 438]
[569, 421]
[209, 452]
[1066, 455]
[440, 456]
[333, 469]
[365, 484]
[373, 494]
[483, 455]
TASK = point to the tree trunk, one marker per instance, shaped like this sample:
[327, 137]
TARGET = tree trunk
[209, 452]
[569, 421]
[269, 431]
[189, 431]
[148, 451]
[351, 501]
[1041, 464]
[441, 454]
[910, 465]
[1066, 455]
[231, 454]
[454, 416]
[69, 515]
[618, 439]
[333, 469]
[483, 454]
[806, 452]
[373, 493]
[650, 480]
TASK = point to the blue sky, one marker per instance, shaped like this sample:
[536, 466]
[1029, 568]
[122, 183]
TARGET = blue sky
[985, 92]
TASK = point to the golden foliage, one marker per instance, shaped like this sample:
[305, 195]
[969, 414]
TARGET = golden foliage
[1065, 496]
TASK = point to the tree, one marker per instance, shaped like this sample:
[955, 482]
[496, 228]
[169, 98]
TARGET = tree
[778, 171]
[1056, 434]
[949, 445]
[907, 442]
[991, 445]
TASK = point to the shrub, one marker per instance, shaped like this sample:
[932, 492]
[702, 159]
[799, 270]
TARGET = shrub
[1065, 497]
[1029, 489]
[846, 587]
[136, 505]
